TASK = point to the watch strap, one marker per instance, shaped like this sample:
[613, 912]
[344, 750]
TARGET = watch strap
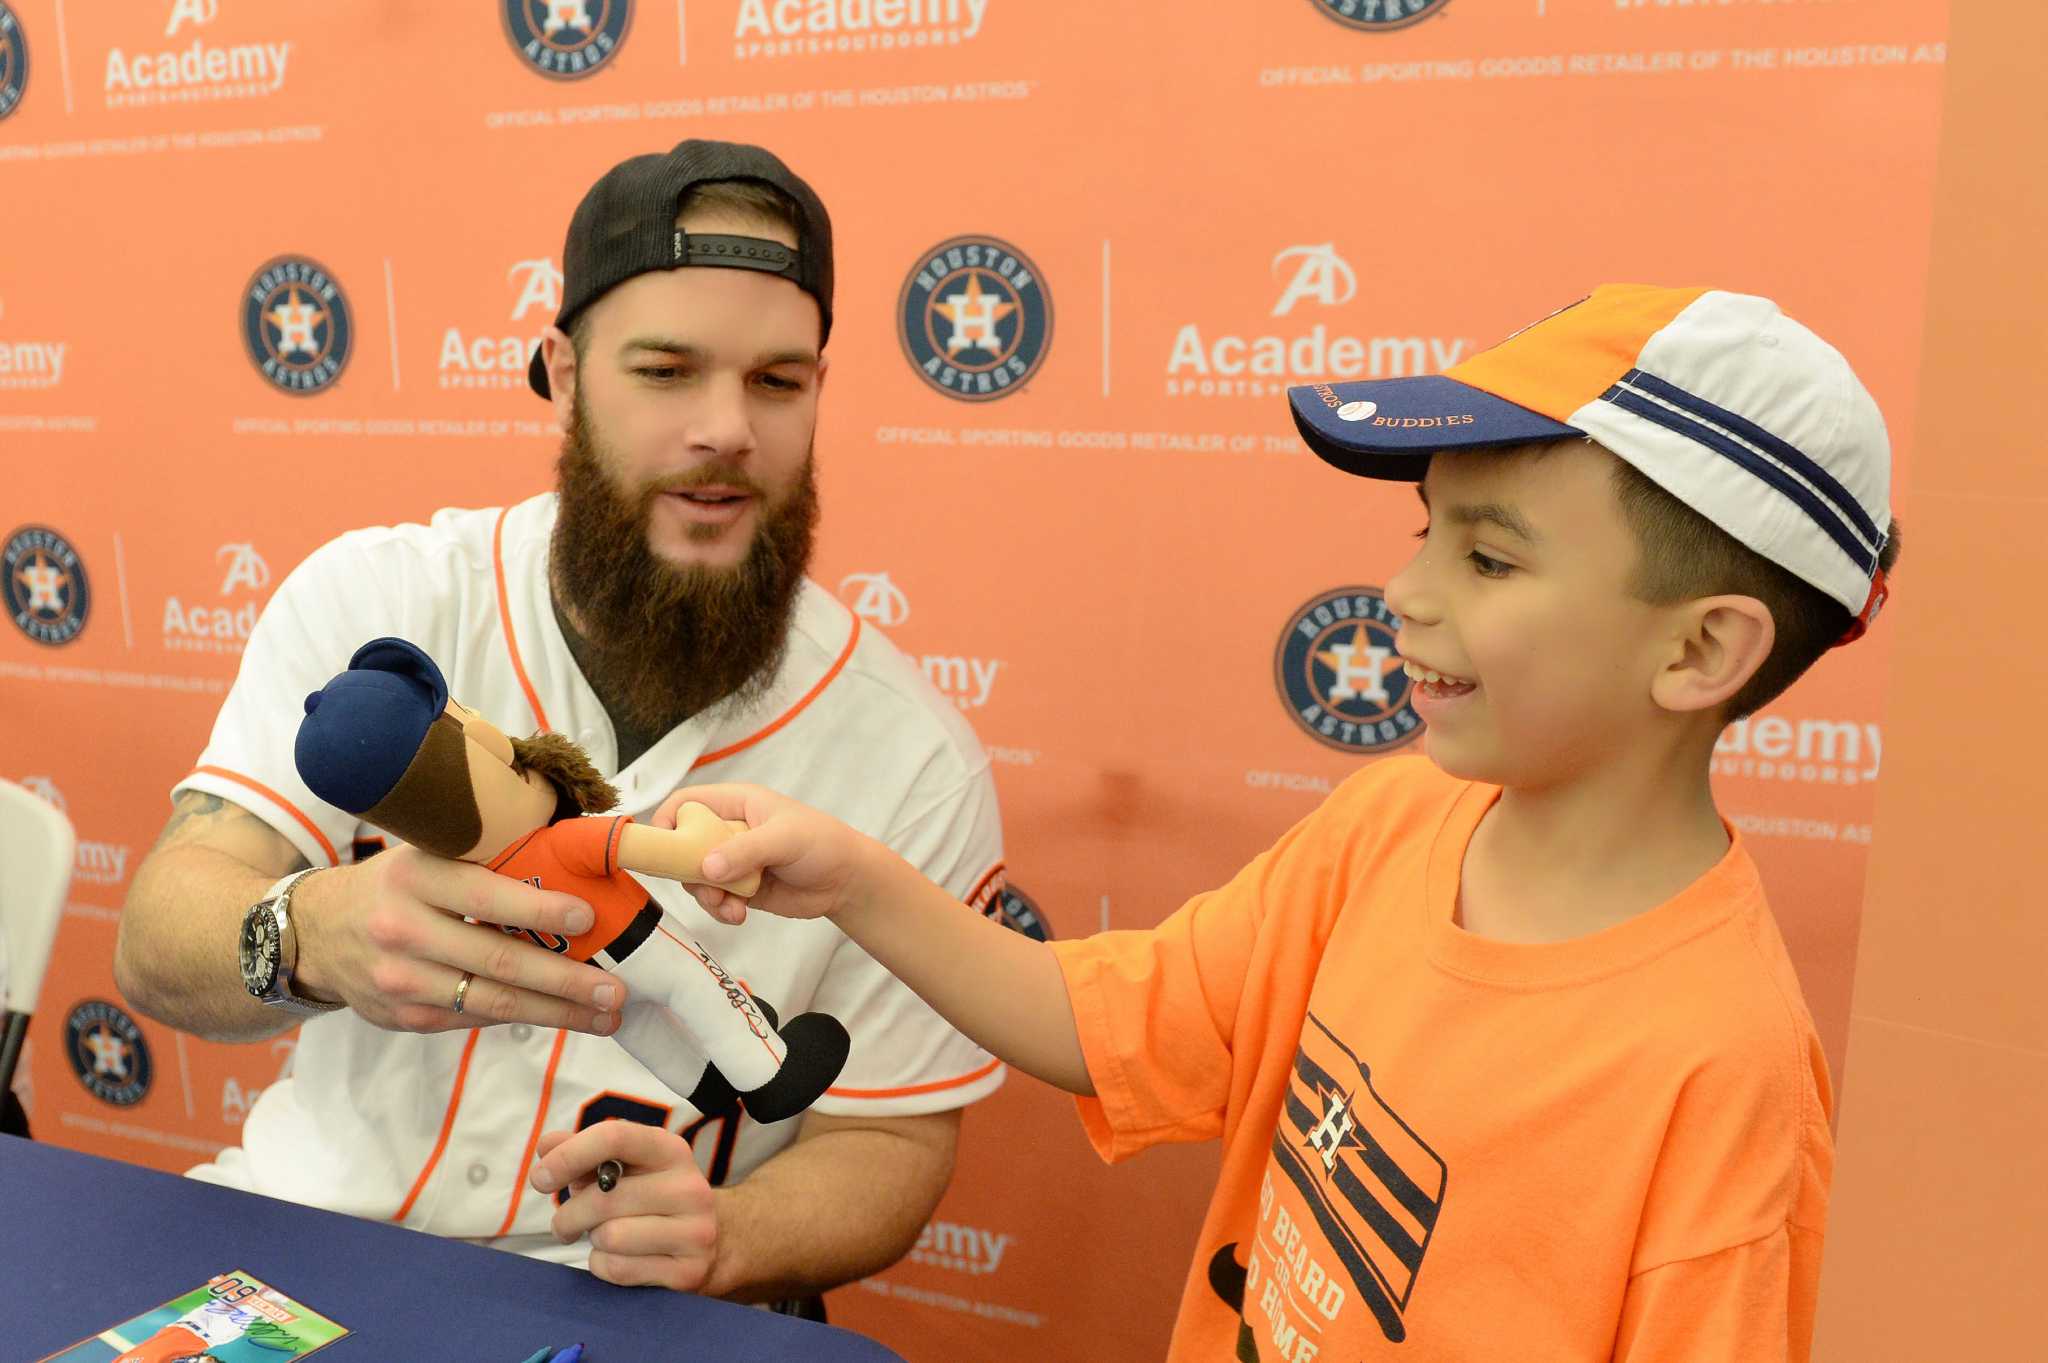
[281, 995]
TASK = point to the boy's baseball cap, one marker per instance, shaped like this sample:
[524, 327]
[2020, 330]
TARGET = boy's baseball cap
[626, 225]
[1719, 398]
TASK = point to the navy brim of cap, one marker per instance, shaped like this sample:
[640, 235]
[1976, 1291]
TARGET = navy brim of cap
[1388, 428]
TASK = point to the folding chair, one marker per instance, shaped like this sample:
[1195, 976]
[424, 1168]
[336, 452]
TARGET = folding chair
[36, 845]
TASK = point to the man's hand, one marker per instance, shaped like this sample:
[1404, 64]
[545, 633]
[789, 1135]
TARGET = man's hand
[658, 1225]
[812, 864]
[387, 938]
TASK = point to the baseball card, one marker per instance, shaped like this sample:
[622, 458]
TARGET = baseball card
[235, 1318]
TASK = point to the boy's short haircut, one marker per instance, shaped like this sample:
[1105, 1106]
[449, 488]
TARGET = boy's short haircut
[1681, 556]
[1752, 461]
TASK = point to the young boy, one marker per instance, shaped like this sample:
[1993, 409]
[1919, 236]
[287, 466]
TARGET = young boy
[1504, 1047]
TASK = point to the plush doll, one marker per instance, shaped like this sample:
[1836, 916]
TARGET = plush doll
[385, 742]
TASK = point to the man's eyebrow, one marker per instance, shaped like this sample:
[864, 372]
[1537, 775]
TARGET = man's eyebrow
[1496, 513]
[668, 345]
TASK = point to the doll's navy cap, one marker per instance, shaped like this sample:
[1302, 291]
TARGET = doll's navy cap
[362, 728]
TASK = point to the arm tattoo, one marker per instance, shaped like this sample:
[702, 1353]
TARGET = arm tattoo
[191, 803]
[196, 814]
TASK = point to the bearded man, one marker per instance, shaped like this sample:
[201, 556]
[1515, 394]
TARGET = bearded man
[453, 1077]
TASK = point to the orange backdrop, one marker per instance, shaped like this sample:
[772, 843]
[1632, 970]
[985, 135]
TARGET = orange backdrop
[1098, 558]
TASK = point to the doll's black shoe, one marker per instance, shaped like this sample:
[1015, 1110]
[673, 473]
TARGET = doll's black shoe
[817, 1047]
[714, 1096]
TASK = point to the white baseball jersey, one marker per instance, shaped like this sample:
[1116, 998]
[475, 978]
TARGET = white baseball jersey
[438, 1132]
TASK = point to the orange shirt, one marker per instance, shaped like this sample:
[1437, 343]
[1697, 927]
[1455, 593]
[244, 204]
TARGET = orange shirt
[1440, 1147]
[579, 856]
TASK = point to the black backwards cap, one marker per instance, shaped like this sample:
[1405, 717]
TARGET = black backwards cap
[626, 226]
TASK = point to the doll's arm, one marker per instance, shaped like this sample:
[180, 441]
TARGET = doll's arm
[678, 853]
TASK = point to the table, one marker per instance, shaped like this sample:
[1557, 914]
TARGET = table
[86, 1242]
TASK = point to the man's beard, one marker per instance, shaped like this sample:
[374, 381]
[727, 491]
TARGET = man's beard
[661, 642]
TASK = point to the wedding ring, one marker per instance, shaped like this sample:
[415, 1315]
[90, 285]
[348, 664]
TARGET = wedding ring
[461, 989]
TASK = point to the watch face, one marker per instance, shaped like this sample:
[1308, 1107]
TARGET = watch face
[259, 950]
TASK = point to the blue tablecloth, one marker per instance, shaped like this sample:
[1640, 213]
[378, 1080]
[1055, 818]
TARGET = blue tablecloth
[87, 1242]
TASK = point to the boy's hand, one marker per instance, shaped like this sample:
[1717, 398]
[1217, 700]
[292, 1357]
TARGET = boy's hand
[812, 865]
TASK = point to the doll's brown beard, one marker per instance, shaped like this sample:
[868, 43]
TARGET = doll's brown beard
[562, 762]
[663, 642]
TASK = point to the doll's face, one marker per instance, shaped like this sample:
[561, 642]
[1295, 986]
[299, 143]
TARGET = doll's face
[509, 804]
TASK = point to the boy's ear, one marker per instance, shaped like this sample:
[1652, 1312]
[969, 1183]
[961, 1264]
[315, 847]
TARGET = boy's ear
[1717, 645]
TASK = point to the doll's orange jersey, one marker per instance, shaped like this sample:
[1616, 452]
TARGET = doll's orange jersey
[1438, 1146]
[579, 856]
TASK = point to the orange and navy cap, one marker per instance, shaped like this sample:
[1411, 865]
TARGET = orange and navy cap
[1719, 398]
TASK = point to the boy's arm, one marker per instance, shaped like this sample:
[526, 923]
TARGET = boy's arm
[1001, 989]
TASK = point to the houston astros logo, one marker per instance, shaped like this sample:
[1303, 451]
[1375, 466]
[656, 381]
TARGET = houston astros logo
[13, 61]
[1339, 675]
[566, 39]
[297, 325]
[1379, 15]
[47, 595]
[108, 1053]
[974, 318]
[1019, 912]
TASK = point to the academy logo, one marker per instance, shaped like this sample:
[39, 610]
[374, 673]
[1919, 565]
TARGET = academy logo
[962, 1249]
[48, 596]
[220, 626]
[44, 789]
[297, 325]
[809, 28]
[488, 361]
[93, 863]
[13, 61]
[875, 599]
[1379, 16]
[32, 364]
[1208, 363]
[965, 680]
[566, 39]
[1808, 751]
[236, 1098]
[1339, 675]
[1315, 272]
[108, 1053]
[974, 318]
[195, 70]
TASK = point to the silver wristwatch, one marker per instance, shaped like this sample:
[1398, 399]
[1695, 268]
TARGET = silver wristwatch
[270, 952]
